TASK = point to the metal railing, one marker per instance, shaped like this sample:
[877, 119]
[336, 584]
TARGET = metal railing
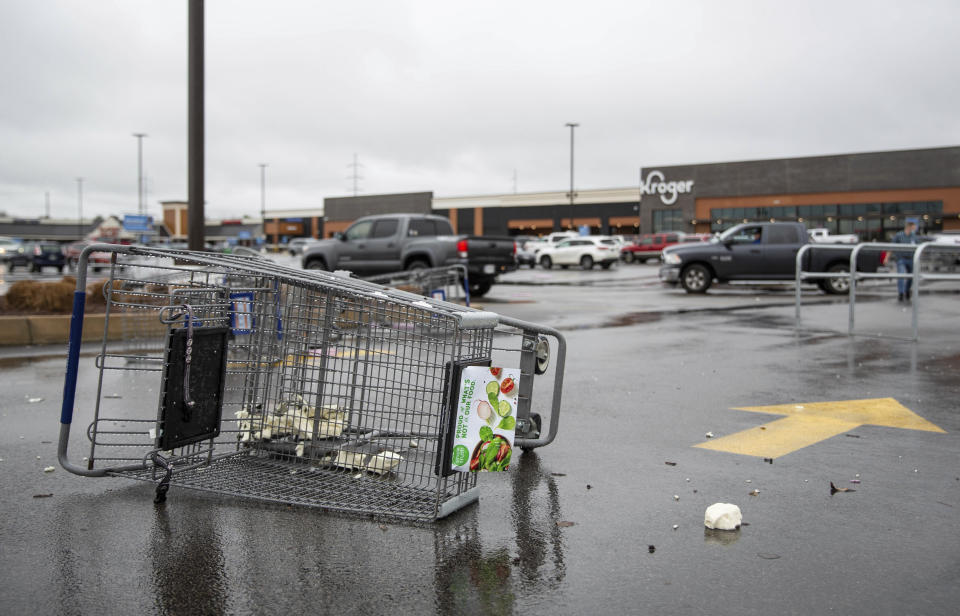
[852, 276]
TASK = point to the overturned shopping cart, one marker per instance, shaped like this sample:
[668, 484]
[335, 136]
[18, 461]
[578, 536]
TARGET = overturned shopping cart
[299, 387]
[450, 283]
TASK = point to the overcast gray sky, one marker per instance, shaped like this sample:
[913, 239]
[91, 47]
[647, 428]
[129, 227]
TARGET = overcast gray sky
[453, 96]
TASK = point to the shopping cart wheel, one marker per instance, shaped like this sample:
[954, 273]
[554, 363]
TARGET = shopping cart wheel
[543, 355]
[535, 431]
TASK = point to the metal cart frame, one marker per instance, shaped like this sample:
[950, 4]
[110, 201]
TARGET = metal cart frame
[296, 387]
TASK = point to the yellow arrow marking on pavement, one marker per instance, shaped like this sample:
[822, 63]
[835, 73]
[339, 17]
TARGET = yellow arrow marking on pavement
[809, 423]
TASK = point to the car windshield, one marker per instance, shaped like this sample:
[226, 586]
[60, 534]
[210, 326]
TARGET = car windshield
[739, 234]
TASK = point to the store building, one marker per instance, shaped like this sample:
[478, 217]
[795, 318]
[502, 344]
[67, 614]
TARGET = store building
[867, 194]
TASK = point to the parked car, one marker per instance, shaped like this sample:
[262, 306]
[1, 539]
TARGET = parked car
[96, 260]
[822, 236]
[13, 253]
[583, 251]
[297, 245]
[649, 246]
[551, 239]
[45, 254]
[758, 252]
[394, 242]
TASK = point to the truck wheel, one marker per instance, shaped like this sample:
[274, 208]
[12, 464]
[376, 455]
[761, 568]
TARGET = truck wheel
[479, 289]
[696, 278]
[586, 262]
[417, 264]
[546, 262]
[628, 257]
[836, 286]
[316, 264]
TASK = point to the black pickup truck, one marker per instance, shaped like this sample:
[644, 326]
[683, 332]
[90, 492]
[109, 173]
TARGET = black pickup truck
[758, 252]
[395, 242]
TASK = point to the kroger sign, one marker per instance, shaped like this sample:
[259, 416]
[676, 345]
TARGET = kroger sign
[668, 191]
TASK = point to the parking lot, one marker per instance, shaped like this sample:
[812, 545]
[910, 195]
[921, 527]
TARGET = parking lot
[660, 419]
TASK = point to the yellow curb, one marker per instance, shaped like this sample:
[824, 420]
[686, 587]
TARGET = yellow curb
[55, 329]
[14, 331]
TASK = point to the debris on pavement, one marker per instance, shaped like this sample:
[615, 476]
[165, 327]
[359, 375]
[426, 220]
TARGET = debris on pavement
[709, 435]
[854, 481]
[558, 474]
[768, 460]
[676, 497]
[49, 469]
[834, 489]
[43, 495]
[589, 486]
[754, 492]
[565, 524]
[34, 400]
[767, 556]
[670, 463]
[113, 396]
[651, 548]
[723, 516]
[852, 435]
[676, 526]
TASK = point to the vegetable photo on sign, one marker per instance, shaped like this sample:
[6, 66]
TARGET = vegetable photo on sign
[486, 419]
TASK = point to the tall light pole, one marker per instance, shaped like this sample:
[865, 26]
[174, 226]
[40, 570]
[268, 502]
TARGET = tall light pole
[263, 199]
[80, 206]
[572, 126]
[140, 137]
[195, 126]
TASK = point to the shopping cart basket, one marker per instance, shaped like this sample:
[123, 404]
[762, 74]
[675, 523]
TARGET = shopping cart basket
[450, 283]
[297, 387]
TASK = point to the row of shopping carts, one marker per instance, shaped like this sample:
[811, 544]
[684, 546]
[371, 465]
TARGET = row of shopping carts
[291, 386]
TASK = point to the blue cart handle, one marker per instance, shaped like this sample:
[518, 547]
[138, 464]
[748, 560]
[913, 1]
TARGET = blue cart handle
[73, 356]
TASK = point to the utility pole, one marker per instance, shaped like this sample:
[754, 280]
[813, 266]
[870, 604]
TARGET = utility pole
[640, 204]
[195, 132]
[355, 176]
[572, 126]
[140, 137]
[80, 206]
[263, 199]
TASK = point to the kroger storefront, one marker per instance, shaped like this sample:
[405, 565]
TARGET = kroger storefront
[869, 194]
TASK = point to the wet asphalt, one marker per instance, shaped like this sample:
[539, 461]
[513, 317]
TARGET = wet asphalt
[650, 371]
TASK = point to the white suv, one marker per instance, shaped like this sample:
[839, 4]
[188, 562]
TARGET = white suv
[582, 251]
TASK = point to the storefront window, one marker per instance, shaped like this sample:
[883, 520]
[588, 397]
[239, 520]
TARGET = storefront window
[668, 220]
[875, 223]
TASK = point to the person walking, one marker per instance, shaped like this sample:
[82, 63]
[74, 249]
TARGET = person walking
[905, 259]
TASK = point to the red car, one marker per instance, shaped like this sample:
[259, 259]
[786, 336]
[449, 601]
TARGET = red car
[96, 260]
[649, 246]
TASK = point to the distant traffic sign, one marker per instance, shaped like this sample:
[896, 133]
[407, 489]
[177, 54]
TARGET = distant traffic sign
[134, 222]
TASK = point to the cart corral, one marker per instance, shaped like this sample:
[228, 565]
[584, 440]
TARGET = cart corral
[296, 387]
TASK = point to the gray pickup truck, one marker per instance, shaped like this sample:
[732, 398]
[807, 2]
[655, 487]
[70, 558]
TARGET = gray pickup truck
[394, 242]
[757, 252]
